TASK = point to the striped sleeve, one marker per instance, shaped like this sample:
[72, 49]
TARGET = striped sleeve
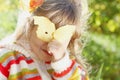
[15, 66]
[3, 70]
[67, 69]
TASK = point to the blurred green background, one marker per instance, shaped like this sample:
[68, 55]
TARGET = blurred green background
[103, 47]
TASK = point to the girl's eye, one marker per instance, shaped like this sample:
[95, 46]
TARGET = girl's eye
[46, 32]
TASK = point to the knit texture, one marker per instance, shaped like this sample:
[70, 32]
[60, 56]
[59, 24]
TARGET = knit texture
[14, 65]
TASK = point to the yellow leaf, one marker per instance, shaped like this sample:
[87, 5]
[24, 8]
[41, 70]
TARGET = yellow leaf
[64, 33]
[45, 28]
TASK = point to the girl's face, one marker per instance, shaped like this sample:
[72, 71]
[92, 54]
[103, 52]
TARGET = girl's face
[39, 47]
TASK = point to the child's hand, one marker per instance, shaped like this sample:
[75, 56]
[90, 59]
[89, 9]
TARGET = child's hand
[57, 49]
[61, 39]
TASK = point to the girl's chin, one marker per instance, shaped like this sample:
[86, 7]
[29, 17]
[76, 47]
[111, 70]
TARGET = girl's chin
[47, 59]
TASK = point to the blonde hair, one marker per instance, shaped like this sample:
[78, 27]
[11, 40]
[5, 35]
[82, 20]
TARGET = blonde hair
[62, 12]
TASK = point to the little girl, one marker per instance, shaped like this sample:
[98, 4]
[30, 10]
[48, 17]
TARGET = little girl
[24, 56]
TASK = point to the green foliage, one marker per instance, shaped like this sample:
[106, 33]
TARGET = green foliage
[104, 42]
[98, 76]
[106, 16]
[103, 49]
[8, 16]
[99, 73]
